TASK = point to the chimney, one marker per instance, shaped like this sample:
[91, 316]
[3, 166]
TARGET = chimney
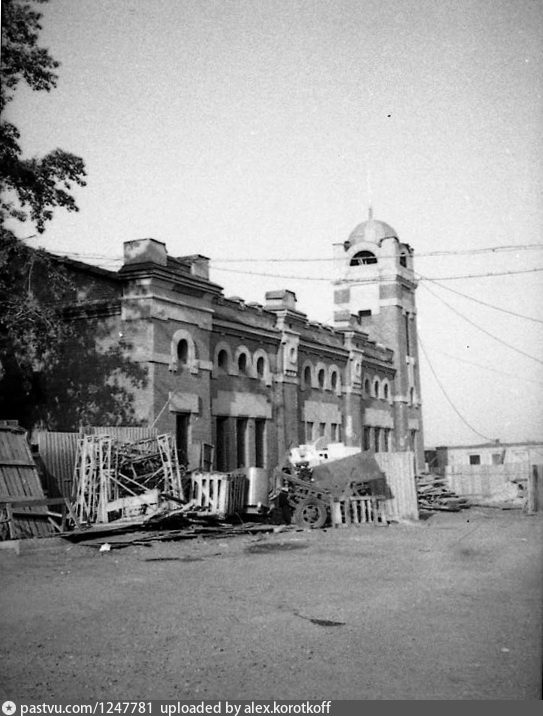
[280, 300]
[143, 251]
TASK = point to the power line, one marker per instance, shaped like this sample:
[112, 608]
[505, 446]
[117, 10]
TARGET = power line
[450, 252]
[483, 303]
[371, 280]
[488, 367]
[481, 275]
[457, 252]
[453, 406]
[496, 338]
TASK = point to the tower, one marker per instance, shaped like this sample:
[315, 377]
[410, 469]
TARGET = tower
[375, 282]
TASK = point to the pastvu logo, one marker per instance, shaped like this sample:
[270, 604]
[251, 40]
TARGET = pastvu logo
[9, 708]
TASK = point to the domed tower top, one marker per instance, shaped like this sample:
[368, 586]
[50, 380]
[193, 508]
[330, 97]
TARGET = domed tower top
[371, 231]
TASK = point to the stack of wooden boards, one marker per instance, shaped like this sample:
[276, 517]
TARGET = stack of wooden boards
[434, 495]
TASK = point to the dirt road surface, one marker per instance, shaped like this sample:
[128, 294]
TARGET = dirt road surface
[450, 608]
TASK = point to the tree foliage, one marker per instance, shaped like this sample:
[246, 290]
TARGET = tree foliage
[32, 286]
[31, 188]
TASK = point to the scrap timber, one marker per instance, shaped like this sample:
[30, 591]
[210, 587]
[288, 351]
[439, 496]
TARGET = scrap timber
[433, 495]
[124, 482]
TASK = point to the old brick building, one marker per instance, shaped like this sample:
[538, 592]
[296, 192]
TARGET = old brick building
[252, 379]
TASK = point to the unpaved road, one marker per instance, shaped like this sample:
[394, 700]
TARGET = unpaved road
[450, 608]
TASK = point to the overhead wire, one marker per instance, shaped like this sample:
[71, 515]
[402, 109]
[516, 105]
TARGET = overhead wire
[416, 254]
[482, 303]
[480, 328]
[441, 386]
[488, 367]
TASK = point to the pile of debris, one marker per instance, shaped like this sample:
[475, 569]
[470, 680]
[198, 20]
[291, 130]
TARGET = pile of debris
[123, 482]
[434, 495]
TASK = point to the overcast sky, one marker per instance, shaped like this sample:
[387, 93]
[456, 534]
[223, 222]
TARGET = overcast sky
[244, 129]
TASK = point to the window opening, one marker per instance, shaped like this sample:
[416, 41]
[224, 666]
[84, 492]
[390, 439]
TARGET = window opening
[367, 437]
[363, 258]
[222, 444]
[260, 366]
[407, 335]
[260, 442]
[474, 459]
[182, 424]
[241, 442]
[242, 363]
[182, 351]
[307, 376]
[321, 378]
[222, 360]
[377, 440]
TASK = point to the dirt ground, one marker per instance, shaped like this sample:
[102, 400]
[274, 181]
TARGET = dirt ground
[449, 608]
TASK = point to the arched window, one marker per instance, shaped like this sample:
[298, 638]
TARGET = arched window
[333, 380]
[222, 360]
[182, 351]
[412, 396]
[385, 391]
[320, 378]
[403, 260]
[307, 377]
[260, 366]
[367, 387]
[363, 258]
[242, 362]
[376, 389]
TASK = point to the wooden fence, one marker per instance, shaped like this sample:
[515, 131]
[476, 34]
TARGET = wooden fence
[489, 482]
[58, 453]
[399, 468]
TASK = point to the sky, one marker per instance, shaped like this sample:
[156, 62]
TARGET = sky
[256, 130]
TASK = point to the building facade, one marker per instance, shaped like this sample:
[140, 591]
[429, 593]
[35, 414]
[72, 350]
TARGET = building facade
[240, 383]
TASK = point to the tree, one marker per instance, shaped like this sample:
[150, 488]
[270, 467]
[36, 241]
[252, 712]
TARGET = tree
[32, 285]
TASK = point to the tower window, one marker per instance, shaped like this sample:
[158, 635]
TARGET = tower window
[333, 380]
[363, 258]
[307, 377]
[376, 389]
[260, 367]
[403, 260]
[367, 387]
[321, 378]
